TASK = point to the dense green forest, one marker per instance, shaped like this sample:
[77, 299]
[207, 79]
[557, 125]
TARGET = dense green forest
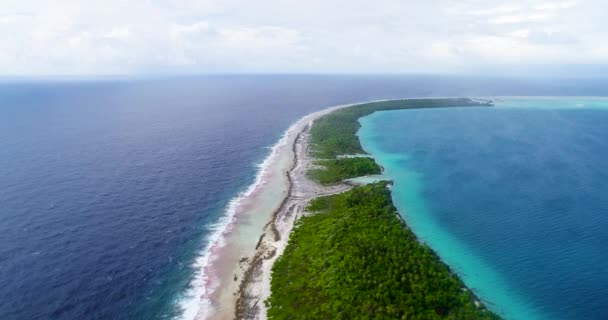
[336, 170]
[355, 259]
[336, 133]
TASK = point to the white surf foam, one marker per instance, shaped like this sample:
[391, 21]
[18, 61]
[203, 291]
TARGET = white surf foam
[195, 303]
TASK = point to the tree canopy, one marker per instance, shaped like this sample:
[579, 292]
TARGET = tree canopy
[355, 259]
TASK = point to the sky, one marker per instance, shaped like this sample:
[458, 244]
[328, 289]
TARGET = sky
[110, 37]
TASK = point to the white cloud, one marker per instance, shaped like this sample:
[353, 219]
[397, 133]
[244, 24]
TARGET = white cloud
[118, 33]
[521, 33]
[502, 9]
[521, 18]
[556, 5]
[256, 38]
[197, 28]
[115, 36]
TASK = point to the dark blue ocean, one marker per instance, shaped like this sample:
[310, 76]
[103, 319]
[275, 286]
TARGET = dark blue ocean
[108, 187]
[514, 198]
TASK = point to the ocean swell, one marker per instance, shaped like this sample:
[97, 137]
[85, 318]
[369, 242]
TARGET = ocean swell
[196, 302]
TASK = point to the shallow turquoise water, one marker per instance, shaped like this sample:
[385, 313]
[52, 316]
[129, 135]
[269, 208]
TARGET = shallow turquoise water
[510, 197]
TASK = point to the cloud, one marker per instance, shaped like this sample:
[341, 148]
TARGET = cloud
[556, 5]
[521, 18]
[196, 28]
[115, 36]
[502, 9]
[256, 38]
[118, 33]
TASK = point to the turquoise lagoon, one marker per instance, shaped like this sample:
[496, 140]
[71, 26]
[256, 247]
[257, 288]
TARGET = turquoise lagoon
[514, 198]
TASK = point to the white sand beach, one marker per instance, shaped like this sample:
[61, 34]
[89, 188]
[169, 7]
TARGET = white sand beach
[233, 271]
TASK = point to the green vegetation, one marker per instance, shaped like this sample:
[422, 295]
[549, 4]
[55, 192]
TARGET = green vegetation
[336, 133]
[354, 259]
[336, 170]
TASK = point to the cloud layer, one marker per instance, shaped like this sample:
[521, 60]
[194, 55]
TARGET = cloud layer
[157, 36]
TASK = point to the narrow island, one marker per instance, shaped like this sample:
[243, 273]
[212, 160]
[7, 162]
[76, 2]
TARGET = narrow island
[336, 250]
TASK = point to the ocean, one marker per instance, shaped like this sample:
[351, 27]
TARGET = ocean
[512, 197]
[110, 189]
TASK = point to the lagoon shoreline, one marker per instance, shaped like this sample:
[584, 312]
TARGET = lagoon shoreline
[236, 267]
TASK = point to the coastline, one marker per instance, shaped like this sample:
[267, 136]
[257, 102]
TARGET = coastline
[234, 267]
[255, 286]
[233, 272]
[491, 287]
[335, 137]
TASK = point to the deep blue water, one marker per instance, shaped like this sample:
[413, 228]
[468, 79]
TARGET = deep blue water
[514, 198]
[108, 188]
